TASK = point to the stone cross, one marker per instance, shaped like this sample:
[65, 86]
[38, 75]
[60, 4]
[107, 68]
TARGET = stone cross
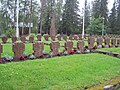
[4, 39]
[80, 37]
[14, 39]
[71, 37]
[65, 37]
[46, 37]
[80, 46]
[69, 46]
[75, 37]
[53, 38]
[23, 39]
[118, 42]
[39, 37]
[38, 48]
[59, 37]
[18, 49]
[107, 41]
[99, 41]
[113, 41]
[55, 46]
[31, 39]
[91, 41]
[1, 49]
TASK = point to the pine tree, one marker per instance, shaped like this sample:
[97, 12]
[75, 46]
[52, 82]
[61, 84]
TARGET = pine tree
[87, 14]
[118, 18]
[70, 18]
[113, 19]
[100, 9]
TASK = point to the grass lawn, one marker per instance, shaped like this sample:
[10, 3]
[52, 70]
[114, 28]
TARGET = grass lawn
[112, 49]
[60, 73]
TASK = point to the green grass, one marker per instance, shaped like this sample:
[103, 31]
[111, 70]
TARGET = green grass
[60, 73]
[112, 49]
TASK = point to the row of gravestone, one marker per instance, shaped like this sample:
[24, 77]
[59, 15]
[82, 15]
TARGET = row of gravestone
[38, 47]
[39, 38]
[59, 37]
[107, 41]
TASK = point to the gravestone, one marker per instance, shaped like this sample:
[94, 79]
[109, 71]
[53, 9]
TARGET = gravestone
[71, 37]
[59, 37]
[18, 49]
[4, 39]
[113, 41]
[107, 42]
[39, 37]
[46, 37]
[23, 39]
[1, 49]
[99, 42]
[53, 38]
[31, 39]
[65, 37]
[38, 48]
[52, 26]
[75, 37]
[118, 42]
[91, 41]
[68, 46]
[14, 39]
[80, 36]
[55, 46]
[80, 46]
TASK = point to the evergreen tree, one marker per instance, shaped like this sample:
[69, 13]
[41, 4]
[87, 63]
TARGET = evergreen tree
[70, 18]
[113, 19]
[100, 9]
[87, 14]
[118, 18]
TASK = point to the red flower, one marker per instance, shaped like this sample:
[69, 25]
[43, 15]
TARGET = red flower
[59, 54]
[95, 47]
[22, 58]
[86, 46]
[72, 52]
[42, 56]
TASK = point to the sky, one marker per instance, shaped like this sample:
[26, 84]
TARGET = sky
[110, 3]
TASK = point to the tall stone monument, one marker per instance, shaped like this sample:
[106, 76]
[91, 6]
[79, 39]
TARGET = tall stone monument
[52, 26]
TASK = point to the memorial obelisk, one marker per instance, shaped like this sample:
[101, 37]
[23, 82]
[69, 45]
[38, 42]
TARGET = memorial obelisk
[52, 25]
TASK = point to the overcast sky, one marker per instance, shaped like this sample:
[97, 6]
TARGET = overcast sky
[110, 3]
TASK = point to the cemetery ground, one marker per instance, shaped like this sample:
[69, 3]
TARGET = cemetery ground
[73, 72]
